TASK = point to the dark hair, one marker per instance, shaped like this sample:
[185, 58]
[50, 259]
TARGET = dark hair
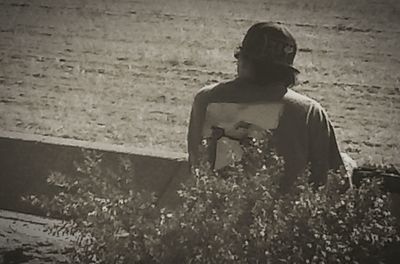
[267, 72]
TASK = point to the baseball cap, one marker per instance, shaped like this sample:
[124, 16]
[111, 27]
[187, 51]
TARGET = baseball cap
[270, 42]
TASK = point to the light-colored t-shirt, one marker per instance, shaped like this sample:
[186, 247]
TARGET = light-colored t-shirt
[301, 126]
[239, 121]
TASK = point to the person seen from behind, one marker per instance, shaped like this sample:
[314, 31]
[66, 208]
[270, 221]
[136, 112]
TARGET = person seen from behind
[261, 99]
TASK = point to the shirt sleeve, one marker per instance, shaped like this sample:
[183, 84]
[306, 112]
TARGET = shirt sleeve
[196, 123]
[324, 154]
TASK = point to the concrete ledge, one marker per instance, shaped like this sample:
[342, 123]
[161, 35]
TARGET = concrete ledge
[104, 147]
[26, 161]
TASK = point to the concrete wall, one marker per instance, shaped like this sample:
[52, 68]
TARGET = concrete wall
[27, 160]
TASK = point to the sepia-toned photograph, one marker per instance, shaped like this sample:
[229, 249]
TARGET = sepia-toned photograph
[199, 131]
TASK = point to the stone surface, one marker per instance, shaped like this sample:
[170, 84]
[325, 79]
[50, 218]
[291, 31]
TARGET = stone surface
[24, 239]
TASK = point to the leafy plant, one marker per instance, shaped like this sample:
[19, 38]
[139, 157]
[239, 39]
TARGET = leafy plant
[239, 215]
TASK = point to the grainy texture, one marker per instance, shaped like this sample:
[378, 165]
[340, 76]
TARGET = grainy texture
[125, 72]
[24, 239]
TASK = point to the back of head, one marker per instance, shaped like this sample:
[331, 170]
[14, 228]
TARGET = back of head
[269, 50]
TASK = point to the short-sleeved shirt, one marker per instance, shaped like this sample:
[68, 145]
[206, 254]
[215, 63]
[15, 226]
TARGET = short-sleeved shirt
[302, 130]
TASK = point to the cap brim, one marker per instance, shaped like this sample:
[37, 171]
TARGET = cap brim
[237, 55]
[289, 66]
[237, 52]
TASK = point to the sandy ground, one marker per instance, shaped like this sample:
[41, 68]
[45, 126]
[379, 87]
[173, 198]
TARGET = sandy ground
[125, 72]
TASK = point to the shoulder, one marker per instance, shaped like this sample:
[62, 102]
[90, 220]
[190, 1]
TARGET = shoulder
[300, 99]
[209, 92]
[301, 102]
[206, 90]
[202, 96]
